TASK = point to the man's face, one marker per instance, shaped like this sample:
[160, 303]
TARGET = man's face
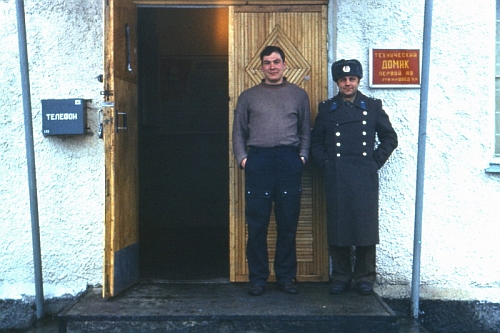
[273, 66]
[348, 86]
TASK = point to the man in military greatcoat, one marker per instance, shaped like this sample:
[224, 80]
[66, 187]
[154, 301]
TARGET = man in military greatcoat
[351, 140]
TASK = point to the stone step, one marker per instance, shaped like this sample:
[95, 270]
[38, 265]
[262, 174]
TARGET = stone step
[158, 306]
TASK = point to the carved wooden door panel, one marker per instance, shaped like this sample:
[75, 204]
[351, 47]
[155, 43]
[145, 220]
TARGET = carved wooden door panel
[301, 32]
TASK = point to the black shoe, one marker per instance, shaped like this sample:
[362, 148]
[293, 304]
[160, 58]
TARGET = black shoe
[256, 290]
[288, 288]
[338, 287]
[364, 288]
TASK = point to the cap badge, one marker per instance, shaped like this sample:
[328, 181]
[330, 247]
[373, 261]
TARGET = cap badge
[346, 69]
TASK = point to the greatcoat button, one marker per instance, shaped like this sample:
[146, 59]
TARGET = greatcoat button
[364, 133]
[338, 144]
[365, 113]
[337, 134]
[364, 153]
[338, 154]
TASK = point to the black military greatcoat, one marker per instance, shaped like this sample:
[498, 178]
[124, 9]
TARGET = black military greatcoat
[351, 142]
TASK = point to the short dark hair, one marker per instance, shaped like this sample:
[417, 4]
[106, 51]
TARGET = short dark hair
[271, 49]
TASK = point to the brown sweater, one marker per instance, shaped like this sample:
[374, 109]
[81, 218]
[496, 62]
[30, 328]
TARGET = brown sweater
[270, 116]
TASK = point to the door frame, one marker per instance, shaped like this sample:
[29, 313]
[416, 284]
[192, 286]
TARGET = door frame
[121, 230]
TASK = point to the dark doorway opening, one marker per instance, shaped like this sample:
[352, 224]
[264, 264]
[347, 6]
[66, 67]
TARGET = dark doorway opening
[183, 143]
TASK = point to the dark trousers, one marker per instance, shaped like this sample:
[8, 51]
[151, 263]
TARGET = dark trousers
[272, 175]
[363, 267]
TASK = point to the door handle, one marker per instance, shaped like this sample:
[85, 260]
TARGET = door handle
[119, 115]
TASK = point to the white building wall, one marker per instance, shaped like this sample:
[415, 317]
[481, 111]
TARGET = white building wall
[460, 247]
[461, 210]
[65, 51]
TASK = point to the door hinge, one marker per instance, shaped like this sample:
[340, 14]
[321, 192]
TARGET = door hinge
[107, 93]
[107, 104]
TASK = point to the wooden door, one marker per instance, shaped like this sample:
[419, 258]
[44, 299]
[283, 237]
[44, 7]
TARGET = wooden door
[301, 32]
[121, 248]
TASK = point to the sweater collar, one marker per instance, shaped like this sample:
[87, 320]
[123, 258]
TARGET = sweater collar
[282, 84]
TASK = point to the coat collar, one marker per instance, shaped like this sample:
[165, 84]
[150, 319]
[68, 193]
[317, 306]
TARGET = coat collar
[360, 101]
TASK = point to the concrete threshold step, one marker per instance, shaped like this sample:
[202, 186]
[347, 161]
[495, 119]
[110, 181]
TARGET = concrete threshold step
[155, 306]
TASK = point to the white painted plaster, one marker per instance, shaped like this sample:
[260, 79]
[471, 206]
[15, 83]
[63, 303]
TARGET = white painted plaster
[460, 247]
[65, 54]
[461, 208]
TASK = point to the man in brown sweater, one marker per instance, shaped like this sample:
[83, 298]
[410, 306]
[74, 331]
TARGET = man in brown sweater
[271, 134]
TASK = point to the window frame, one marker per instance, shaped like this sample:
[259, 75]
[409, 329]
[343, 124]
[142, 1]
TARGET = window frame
[495, 162]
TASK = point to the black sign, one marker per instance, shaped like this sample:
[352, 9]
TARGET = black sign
[63, 116]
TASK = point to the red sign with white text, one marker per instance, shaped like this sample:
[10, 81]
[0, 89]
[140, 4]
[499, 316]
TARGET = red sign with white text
[395, 67]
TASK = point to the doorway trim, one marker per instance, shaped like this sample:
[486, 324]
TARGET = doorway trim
[117, 224]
